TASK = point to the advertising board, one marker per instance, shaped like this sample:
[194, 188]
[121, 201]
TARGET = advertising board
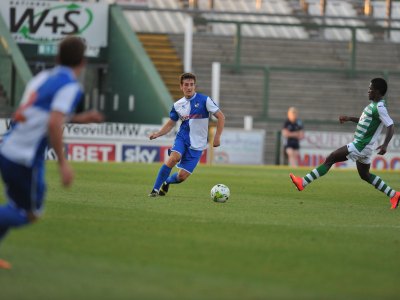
[316, 145]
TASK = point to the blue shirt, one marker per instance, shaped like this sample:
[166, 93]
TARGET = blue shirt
[51, 90]
[194, 114]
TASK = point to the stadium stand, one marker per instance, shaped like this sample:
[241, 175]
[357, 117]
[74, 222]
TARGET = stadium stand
[281, 52]
[321, 97]
[338, 8]
[269, 7]
[174, 22]
[379, 11]
[165, 59]
[157, 22]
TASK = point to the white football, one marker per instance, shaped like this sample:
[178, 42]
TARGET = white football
[220, 193]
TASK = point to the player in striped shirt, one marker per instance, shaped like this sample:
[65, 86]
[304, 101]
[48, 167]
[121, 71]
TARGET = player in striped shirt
[360, 150]
[49, 100]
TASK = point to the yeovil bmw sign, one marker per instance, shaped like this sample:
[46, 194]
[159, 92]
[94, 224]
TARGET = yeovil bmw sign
[46, 22]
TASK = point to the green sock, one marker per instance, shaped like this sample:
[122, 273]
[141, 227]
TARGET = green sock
[315, 174]
[380, 185]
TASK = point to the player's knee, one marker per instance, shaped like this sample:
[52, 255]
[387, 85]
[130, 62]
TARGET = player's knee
[365, 176]
[172, 162]
[174, 158]
[329, 160]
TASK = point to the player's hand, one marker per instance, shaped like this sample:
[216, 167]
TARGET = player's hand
[382, 149]
[153, 136]
[217, 141]
[66, 173]
[94, 116]
[343, 119]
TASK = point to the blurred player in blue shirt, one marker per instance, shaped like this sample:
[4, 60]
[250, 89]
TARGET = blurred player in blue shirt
[193, 110]
[49, 100]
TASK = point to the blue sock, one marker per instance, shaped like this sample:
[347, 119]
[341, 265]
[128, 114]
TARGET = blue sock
[162, 176]
[11, 217]
[173, 179]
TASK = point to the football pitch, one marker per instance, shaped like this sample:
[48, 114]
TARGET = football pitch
[105, 239]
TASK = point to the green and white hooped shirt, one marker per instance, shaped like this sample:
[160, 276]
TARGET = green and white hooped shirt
[370, 125]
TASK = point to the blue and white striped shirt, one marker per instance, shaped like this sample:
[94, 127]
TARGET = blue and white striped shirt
[194, 113]
[52, 90]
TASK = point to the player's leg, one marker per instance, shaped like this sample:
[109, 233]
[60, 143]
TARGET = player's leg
[19, 189]
[338, 155]
[292, 156]
[164, 172]
[378, 183]
[10, 217]
[187, 164]
[25, 189]
[175, 156]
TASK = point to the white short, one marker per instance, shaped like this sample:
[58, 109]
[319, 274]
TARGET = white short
[363, 157]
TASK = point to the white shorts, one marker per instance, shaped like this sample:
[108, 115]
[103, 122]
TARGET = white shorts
[363, 157]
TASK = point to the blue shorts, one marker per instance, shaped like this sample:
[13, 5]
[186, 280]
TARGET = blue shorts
[189, 157]
[25, 187]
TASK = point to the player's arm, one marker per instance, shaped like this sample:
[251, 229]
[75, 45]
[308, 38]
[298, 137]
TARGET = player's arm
[293, 134]
[164, 130]
[220, 127]
[300, 134]
[389, 134]
[92, 116]
[55, 129]
[388, 122]
[343, 119]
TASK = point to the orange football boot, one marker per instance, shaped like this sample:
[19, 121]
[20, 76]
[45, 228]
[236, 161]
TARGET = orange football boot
[394, 201]
[297, 181]
[5, 264]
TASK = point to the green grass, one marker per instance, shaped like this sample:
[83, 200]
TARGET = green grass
[105, 239]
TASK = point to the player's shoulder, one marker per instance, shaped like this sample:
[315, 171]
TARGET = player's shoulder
[299, 122]
[39, 78]
[203, 97]
[381, 107]
[179, 101]
[381, 104]
[62, 76]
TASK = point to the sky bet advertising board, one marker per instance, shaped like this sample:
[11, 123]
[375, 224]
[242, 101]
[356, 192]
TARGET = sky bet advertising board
[111, 142]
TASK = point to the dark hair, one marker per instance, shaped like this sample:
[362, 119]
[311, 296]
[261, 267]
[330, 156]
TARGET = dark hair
[380, 85]
[71, 51]
[188, 76]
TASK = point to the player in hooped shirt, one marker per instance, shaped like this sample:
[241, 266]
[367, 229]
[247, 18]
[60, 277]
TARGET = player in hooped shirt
[193, 110]
[49, 100]
[369, 127]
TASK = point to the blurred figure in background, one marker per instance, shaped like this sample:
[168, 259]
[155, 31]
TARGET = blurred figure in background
[293, 132]
[49, 100]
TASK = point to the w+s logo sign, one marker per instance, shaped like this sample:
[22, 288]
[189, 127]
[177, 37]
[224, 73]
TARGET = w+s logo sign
[46, 22]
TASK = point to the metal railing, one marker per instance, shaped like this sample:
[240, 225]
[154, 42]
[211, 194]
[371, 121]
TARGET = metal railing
[351, 71]
[352, 66]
